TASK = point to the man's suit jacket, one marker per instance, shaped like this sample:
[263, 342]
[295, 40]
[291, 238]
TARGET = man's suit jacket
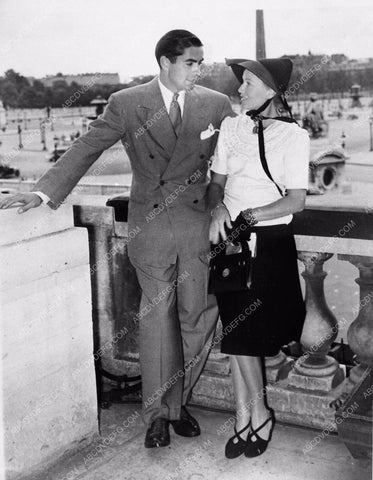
[167, 203]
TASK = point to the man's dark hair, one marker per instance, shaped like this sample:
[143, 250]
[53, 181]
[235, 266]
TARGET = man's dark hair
[173, 44]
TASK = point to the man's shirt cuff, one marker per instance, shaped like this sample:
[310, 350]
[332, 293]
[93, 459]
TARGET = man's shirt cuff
[44, 198]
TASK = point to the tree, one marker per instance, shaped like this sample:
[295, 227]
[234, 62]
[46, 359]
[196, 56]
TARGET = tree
[16, 79]
[27, 98]
[9, 94]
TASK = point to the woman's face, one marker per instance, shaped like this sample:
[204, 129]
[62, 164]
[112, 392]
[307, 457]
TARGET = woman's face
[253, 91]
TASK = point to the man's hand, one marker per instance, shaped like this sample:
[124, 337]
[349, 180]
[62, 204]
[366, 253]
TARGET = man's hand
[220, 218]
[28, 200]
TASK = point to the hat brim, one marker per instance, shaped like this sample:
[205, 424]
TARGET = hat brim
[238, 67]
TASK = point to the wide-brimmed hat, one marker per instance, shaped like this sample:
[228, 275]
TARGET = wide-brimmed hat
[274, 72]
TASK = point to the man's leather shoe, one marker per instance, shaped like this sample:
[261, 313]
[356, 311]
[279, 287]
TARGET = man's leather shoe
[158, 434]
[187, 426]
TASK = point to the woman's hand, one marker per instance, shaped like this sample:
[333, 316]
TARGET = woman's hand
[220, 219]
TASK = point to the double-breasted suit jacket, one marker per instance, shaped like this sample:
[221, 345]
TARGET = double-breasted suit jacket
[169, 176]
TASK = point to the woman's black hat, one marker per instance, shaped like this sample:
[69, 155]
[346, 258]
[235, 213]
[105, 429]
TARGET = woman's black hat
[274, 72]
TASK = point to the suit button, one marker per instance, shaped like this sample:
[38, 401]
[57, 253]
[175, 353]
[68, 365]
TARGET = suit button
[151, 156]
[201, 156]
[155, 205]
[195, 201]
[162, 182]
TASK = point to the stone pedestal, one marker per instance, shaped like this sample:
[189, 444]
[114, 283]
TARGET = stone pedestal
[315, 370]
[49, 389]
[277, 367]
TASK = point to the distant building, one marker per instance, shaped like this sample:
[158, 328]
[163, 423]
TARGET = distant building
[352, 64]
[336, 62]
[82, 79]
[306, 59]
[338, 57]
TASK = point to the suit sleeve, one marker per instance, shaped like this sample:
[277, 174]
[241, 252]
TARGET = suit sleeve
[104, 132]
[227, 110]
[220, 158]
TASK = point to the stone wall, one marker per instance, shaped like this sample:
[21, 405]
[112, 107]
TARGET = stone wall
[49, 389]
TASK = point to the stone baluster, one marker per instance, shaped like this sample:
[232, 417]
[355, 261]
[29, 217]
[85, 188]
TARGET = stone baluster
[315, 370]
[360, 332]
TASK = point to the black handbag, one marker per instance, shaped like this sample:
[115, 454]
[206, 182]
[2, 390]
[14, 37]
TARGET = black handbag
[230, 273]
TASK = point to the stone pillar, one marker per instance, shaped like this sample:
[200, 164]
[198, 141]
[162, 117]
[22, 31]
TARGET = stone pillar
[315, 370]
[360, 332]
[49, 389]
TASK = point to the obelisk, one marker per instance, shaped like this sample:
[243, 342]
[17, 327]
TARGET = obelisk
[260, 37]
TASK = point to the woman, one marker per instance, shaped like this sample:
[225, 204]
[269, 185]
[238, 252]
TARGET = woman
[251, 200]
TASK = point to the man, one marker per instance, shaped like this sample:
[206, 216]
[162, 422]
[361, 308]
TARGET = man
[169, 128]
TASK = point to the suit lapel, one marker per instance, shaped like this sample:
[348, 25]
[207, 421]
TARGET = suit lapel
[192, 124]
[152, 110]
[156, 118]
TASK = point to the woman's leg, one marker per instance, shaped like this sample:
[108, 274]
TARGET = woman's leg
[251, 378]
[242, 395]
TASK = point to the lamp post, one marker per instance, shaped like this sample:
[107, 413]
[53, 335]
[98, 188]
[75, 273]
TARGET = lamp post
[55, 154]
[42, 135]
[371, 133]
[343, 142]
[84, 125]
[20, 144]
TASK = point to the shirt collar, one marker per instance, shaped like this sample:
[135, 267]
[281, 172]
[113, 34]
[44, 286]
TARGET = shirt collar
[167, 96]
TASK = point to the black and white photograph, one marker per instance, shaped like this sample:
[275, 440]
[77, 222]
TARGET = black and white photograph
[186, 240]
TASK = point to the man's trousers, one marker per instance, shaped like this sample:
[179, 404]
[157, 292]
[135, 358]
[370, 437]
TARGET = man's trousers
[177, 320]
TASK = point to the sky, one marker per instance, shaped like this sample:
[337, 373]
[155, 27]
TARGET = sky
[40, 37]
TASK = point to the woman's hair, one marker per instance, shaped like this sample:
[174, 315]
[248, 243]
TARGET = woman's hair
[279, 106]
[173, 44]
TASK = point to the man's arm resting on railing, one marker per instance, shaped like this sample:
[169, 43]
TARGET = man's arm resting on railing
[59, 180]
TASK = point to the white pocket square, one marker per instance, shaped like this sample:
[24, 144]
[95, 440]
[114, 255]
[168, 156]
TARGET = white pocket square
[209, 132]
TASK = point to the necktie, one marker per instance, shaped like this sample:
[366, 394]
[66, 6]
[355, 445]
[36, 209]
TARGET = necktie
[175, 114]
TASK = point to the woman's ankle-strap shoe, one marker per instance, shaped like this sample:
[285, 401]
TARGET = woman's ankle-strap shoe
[256, 445]
[236, 445]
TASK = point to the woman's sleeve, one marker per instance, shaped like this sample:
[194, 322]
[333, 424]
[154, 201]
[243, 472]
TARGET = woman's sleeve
[296, 160]
[220, 158]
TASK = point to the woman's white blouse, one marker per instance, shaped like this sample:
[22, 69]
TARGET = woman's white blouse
[237, 156]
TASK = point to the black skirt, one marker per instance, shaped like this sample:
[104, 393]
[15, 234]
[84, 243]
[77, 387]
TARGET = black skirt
[258, 322]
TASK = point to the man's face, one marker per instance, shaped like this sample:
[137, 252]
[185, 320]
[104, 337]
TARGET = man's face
[183, 74]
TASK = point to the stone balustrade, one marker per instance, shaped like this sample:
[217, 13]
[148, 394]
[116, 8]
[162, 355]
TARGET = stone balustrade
[51, 290]
[301, 391]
